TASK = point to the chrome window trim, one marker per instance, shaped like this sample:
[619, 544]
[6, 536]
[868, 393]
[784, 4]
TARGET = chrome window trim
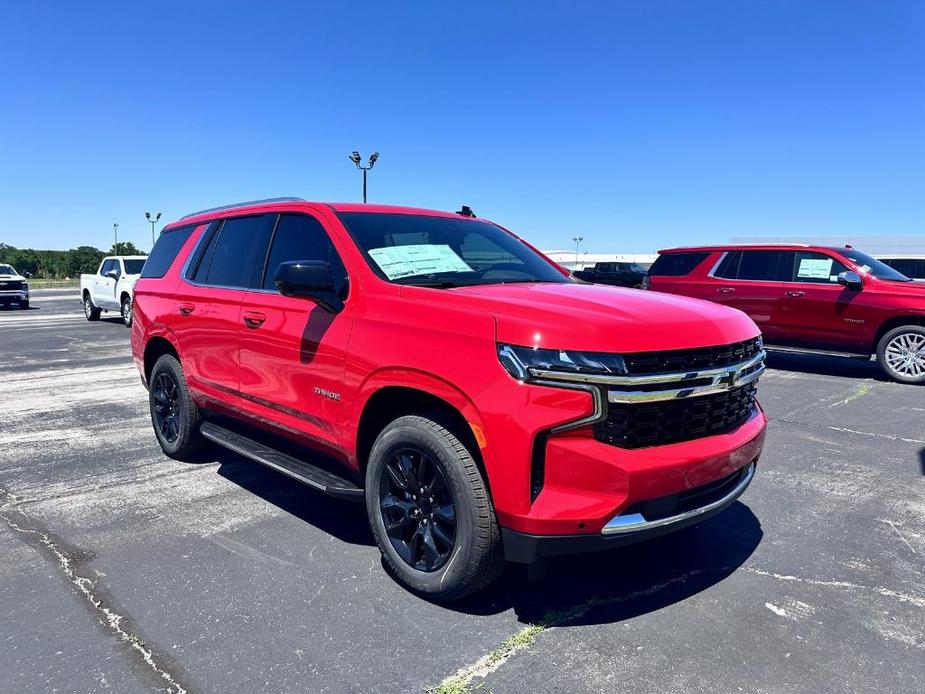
[636, 522]
[716, 265]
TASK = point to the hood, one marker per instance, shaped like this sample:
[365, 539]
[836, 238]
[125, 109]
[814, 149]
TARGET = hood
[904, 289]
[4, 276]
[600, 318]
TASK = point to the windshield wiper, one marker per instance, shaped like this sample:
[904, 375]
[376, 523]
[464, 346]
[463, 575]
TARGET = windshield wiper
[436, 284]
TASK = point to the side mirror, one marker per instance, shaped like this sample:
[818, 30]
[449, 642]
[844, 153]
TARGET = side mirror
[311, 279]
[851, 280]
[27, 275]
[113, 274]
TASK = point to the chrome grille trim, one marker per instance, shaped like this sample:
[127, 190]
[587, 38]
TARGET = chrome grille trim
[720, 379]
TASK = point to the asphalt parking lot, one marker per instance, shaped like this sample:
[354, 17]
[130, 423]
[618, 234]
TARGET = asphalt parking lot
[122, 570]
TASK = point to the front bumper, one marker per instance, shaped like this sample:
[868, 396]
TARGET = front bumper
[641, 522]
[15, 296]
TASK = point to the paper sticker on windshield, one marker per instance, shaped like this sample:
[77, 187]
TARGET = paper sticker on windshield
[815, 268]
[422, 259]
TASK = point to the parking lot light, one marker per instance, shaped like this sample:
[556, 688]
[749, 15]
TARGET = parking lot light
[355, 157]
[153, 222]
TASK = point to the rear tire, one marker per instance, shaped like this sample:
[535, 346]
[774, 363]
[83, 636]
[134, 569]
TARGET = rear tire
[127, 311]
[901, 354]
[443, 540]
[174, 415]
[90, 311]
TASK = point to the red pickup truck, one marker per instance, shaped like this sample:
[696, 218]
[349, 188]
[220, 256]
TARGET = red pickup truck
[809, 299]
[481, 403]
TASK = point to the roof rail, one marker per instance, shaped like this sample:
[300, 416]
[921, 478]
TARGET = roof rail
[242, 204]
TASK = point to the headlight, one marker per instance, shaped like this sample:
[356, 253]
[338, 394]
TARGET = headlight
[523, 363]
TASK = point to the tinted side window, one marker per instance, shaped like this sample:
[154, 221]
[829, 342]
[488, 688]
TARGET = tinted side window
[165, 251]
[729, 267]
[814, 267]
[676, 264]
[240, 244]
[107, 266]
[762, 266]
[300, 237]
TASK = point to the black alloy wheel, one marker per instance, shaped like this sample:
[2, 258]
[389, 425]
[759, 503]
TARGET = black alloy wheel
[417, 509]
[166, 406]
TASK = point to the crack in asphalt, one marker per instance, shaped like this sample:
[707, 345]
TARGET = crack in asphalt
[40, 539]
[844, 430]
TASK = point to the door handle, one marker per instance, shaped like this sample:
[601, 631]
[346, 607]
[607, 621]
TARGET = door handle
[253, 320]
[186, 309]
[796, 292]
[726, 290]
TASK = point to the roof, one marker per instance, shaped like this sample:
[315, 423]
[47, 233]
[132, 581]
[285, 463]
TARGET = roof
[736, 246]
[293, 202]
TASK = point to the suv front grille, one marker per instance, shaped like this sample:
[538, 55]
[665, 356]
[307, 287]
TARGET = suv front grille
[10, 285]
[691, 359]
[631, 425]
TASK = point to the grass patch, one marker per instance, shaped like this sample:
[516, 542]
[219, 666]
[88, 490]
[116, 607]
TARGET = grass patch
[460, 682]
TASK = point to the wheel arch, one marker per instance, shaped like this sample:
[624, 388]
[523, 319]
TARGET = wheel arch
[155, 348]
[387, 401]
[895, 322]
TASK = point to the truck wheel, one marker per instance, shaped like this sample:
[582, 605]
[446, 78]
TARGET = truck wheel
[901, 354]
[174, 415]
[90, 311]
[127, 311]
[24, 305]
[430, 511]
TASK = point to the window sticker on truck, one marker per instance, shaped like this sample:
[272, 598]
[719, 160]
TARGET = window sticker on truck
[815, 268]
[420, 259]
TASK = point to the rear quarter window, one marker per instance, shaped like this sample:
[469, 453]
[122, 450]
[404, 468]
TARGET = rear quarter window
[165, 251]
[676, 264]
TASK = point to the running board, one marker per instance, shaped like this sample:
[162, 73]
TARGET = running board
[819, 352]
[315, 477]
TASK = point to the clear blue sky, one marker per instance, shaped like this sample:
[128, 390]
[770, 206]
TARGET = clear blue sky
[636, 125]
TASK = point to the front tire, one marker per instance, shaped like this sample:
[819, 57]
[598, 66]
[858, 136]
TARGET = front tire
[91, 311]
[174, 415]
[430, 511]
[901, 354]
[127, 311]
[24, 305]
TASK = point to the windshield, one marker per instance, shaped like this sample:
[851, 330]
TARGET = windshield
[7, 270]
[445, 252]
[133, 265]
[872, 266]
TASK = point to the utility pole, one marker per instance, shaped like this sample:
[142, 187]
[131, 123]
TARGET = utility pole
[115, 234]
[355, 158]
[577, 240]
[153, 223]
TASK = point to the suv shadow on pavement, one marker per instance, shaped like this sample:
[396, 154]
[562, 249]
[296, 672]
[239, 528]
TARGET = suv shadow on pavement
[343, 519]
[825, 366]
[598, 587]
[622, 583]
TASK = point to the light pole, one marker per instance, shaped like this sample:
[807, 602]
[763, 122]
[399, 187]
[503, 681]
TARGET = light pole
[115, 234]
[577, 240]
[153, 222]
[355, 158]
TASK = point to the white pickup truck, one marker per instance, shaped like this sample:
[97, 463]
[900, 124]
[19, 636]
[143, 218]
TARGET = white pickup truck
[110, 289]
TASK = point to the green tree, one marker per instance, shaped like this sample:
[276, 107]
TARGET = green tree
[124, 248]
[83, 259]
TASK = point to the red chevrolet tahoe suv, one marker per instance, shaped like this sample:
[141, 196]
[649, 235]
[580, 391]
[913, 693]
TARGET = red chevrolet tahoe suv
[481, 403]
[809, 299]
